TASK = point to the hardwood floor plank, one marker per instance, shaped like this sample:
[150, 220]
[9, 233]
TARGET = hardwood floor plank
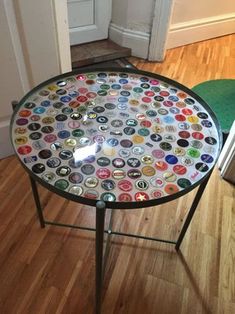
[227, 263]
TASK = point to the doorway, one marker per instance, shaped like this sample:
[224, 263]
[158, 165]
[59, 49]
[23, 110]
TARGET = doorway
[88, 20]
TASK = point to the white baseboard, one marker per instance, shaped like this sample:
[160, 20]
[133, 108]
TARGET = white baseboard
[136, 40]
[5, 143]
[201, 29]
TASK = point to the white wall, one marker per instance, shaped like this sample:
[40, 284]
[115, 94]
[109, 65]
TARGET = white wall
[199, 20]
[31, 52]
[131, 25]
[10, 81]
[120, 12]
[140, 15]
[185, 10]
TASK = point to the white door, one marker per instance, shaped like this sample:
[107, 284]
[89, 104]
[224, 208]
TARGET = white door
[88, 20]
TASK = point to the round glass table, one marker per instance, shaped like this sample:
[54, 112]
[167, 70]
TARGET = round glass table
[117, 138]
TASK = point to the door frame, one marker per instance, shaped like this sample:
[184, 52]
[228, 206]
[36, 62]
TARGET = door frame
[39, 60]
[33, 60]
[160, 29]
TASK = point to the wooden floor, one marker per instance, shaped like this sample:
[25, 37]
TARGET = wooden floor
[51, 270]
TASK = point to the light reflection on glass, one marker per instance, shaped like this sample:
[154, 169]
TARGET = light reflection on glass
[85, 118]
[82, 153]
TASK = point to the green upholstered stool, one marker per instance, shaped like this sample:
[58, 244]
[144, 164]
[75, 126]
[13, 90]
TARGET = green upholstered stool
[220, 96]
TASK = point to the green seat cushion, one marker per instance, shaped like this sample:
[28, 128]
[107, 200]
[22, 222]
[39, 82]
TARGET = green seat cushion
[220, 96]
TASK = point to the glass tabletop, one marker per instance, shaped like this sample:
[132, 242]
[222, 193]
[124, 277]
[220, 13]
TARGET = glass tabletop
[127, 137]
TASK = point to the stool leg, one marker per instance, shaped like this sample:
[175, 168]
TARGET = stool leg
[100, 218]
[37, 202]
[192, 211]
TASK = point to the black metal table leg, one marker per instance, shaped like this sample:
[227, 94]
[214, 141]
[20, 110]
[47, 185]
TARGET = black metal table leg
[100, 218]
[108, 240]
[37, 202]
[192, 211]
